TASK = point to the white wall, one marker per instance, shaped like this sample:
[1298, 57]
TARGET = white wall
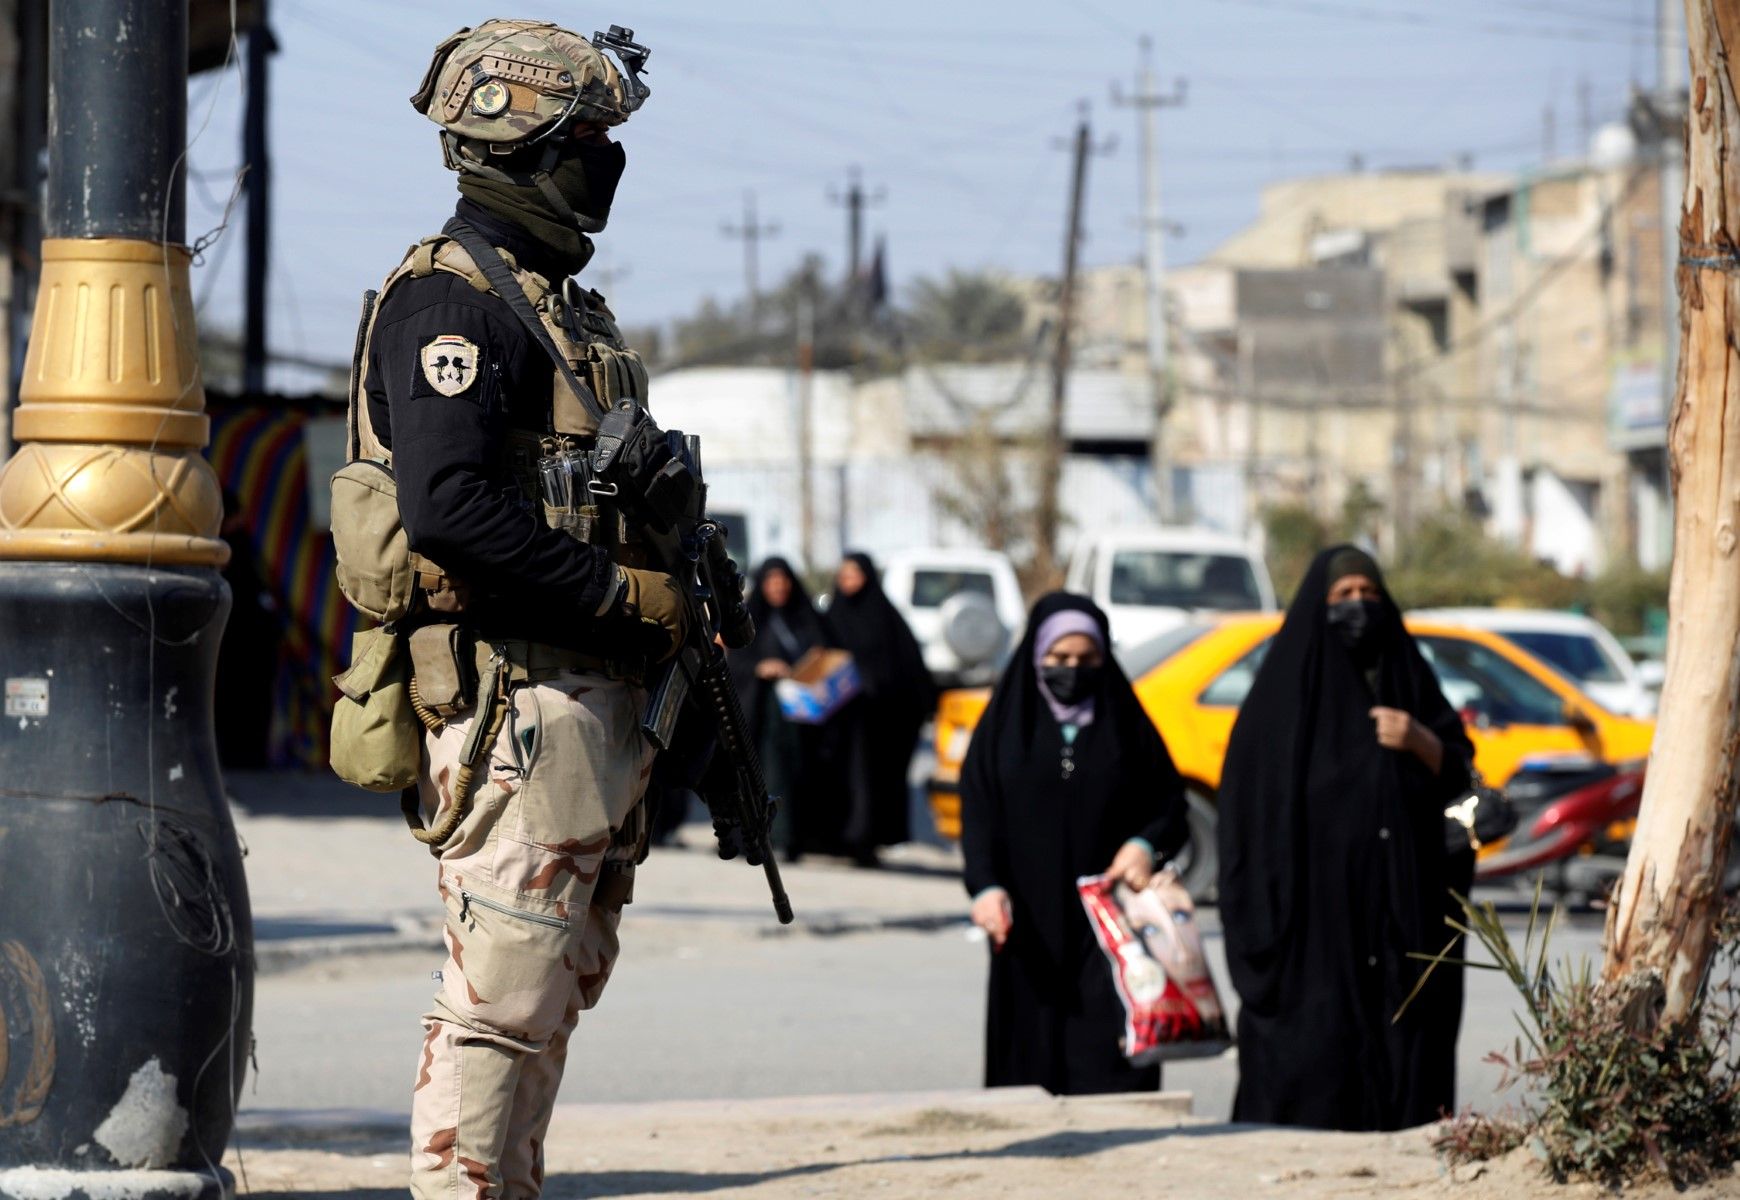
[1562, 523]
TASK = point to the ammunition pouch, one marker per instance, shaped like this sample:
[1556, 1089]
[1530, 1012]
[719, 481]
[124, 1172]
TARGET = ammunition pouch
[615, 373]
[443, 668]
[377, 738]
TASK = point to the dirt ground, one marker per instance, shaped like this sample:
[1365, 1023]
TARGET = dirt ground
[1009, 1145]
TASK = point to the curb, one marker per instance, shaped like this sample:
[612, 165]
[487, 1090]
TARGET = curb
[309, 1127]
[273, 955]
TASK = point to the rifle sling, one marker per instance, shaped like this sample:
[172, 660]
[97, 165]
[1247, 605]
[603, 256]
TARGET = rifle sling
[503, 283]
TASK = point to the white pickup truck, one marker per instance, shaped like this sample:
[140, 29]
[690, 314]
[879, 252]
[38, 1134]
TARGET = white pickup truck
[963, 606]
[1153, 579]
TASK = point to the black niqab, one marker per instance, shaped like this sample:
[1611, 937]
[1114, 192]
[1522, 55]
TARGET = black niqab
[786, 633]
[1053, 1018]
[871, 743]
[890, 660]
[789, 753]
[1333, 870]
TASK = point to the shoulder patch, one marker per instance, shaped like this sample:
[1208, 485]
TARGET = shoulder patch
[449, 363]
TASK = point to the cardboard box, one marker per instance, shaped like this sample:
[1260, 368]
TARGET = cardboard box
[821, 684]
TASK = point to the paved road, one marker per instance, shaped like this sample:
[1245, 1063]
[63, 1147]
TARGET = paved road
[879, 993]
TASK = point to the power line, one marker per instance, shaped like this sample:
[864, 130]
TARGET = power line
[751, 232]
[1369, 15]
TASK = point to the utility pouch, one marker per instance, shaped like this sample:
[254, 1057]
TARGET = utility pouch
[615, 373]
[374, 561]
[376, 736]
[444, 667]
[443, 593]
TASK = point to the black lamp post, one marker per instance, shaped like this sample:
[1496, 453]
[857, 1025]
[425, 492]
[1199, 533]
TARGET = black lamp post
[126, 956]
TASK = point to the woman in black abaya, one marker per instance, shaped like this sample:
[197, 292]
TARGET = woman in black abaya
[873, 739]
[787, 626]
[1066, 776]
[1333, 867]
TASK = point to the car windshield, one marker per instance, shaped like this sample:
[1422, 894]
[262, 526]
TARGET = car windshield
[1478, 682]
[1481, 683]
[1143, 657]
[1576, 654]
[930, 589]
[1171, 579]
[1232, 685]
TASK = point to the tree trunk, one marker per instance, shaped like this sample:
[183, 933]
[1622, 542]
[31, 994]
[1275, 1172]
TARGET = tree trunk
[1661, 926]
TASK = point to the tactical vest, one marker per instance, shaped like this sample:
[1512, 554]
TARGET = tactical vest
[584, 331]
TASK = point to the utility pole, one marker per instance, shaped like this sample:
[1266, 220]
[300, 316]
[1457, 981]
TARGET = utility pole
[23, 219]
[1246, 383]
[127, 980]
[1402, 466]
[1585, 115]
[855, 199]
[608, 277]
[1046, 560]
[259, 184]
[1147, 103]
[751, 231]
[806, 365]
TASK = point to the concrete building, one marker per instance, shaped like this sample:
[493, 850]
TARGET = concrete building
[934, 456]
[1438, 341]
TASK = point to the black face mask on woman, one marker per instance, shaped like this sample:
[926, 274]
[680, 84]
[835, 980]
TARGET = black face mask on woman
[1070, 685]
[1353, 622]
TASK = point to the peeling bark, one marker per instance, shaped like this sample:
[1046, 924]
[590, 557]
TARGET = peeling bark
[1660, 930]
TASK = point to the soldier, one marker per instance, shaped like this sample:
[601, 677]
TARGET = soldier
[532, 675]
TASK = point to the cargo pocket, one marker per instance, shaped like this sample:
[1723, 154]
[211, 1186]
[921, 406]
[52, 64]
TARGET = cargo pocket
[515, 957]
[376, 736]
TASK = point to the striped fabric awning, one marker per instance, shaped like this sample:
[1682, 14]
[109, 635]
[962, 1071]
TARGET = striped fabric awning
[260, 457]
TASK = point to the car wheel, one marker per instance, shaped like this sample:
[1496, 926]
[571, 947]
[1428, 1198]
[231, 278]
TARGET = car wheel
[1198, 861]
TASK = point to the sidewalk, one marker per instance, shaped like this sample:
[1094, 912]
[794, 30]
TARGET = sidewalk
[332, 869]
[1012, 1144]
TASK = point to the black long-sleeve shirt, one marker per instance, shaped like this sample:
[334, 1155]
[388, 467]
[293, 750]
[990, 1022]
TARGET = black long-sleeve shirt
[444, 422]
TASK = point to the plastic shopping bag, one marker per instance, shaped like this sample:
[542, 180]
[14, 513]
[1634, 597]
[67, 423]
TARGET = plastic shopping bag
[1151, 942]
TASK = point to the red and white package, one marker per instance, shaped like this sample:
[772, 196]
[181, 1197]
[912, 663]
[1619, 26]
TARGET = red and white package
[1171, 1007]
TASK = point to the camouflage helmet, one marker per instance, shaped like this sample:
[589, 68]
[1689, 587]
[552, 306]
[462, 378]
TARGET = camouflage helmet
[507, 85]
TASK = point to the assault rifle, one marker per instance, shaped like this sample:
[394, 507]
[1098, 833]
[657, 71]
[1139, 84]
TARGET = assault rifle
[655, 478]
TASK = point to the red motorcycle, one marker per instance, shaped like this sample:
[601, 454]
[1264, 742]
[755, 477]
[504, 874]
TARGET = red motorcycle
[1575, 819]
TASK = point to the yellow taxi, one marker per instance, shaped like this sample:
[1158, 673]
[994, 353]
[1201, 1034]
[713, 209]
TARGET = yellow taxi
[1192, 680]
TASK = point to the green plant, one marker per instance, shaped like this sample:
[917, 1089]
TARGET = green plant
[1361, 513]
[1611, 1095]
[1623, 595]
[1449, 561]
[1292, 534]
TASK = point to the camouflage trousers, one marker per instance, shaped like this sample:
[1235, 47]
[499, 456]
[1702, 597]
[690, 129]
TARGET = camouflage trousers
[533, 881]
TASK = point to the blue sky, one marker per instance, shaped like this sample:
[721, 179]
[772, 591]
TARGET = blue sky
[953, 109]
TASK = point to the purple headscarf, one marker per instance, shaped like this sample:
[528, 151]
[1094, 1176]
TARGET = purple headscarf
[1061, 625]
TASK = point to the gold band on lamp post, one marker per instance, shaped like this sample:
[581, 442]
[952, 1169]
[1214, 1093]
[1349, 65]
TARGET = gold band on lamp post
[111, 415]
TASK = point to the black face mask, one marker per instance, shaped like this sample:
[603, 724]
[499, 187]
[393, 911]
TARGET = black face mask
[1070, 685]
[1354, 621]
[587, 175]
